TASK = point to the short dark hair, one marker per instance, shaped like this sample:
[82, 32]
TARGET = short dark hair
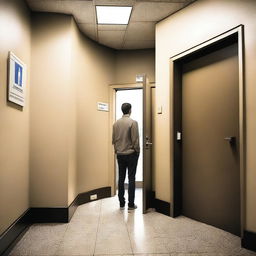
[126, 108]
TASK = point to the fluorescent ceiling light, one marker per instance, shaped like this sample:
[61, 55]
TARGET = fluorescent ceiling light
[118, 15]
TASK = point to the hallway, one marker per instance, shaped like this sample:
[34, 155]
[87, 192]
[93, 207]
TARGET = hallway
[100, 228]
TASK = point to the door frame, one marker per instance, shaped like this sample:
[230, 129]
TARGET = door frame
[112, 113]
[234, 35]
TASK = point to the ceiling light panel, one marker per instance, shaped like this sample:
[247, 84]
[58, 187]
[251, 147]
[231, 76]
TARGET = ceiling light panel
[118, 15]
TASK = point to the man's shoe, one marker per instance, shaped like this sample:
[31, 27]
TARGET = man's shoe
[122, 207]
[132, 207]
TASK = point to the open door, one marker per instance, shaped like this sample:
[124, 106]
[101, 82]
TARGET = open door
[147, 145]
[146, 148]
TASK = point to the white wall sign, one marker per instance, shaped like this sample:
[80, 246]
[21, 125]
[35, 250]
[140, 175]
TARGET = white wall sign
[102, 106]
[17, 80]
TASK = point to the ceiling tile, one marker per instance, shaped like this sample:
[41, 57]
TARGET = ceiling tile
[109, 35]
[83, 11]
[140, 31]
[153, 11]
[112, 39]
[88, 29]
[47, 6]
[112, 27]
[139, 44]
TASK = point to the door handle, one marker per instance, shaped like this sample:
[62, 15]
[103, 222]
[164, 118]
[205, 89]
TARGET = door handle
[230, 139]
[148, 143]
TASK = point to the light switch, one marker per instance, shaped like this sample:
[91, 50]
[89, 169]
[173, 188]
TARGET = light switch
[159, 110]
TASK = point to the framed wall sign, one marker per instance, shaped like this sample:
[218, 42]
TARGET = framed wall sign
[102, 106]
[17, 80]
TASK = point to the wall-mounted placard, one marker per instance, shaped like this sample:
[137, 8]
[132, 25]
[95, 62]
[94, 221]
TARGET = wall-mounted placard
[102, 106]
[17, 80]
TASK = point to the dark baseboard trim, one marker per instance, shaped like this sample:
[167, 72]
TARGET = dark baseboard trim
[83, 198]
[48, 215]
[162, 207]
[152, 201]
[72, 208]
[64, 214]
[13, 234]
[249, 240]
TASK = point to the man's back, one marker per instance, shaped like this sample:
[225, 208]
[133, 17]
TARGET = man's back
[125, 136]
[125, 139]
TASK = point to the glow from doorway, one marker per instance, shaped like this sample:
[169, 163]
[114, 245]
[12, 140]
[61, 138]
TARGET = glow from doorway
[134, 97]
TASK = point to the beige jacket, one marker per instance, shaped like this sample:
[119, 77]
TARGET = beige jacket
[125, 137]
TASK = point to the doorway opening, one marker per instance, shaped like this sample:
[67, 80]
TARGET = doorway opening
[135, 98]
[141, 96]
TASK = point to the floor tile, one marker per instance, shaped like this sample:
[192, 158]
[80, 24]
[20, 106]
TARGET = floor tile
[112, 238]
[78, 242]
[40, 239]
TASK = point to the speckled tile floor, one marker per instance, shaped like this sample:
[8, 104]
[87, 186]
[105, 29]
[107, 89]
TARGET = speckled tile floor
[101, 228]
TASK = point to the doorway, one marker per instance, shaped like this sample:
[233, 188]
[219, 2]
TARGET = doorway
[145, 93]
[208, 132]
[135, 98]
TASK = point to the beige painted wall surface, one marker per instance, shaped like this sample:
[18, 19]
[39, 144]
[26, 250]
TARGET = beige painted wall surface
[197, 23]
[72, 154]
[131, 63]
[94, 72]
[69, 137]
[14, 122]
[51, 115]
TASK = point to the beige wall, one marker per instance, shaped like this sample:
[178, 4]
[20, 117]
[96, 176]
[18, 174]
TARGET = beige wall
[14, 122]
[94, 72]
[133, 62]
[199, 22]
[69, 137]
[72, 154]
[51, 110]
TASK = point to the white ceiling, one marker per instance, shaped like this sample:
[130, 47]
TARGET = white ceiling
[138, 34]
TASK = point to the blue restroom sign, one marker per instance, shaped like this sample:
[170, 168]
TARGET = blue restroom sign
[18, 74]
[17, 80]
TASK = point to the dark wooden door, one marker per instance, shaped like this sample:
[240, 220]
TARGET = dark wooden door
[210, 139]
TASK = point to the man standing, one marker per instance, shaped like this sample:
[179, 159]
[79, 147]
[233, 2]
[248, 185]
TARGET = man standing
[125, 139]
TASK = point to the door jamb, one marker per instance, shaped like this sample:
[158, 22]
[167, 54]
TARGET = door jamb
[175, 80]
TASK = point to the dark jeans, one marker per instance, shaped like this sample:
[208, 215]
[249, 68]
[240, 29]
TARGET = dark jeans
[124, 162]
